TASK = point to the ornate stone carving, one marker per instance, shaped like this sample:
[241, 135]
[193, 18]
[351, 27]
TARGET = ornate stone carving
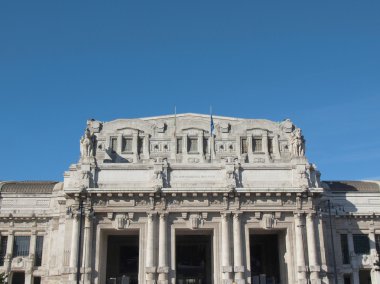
[81, 179]
[298, 143]
[87, 144]
[161, 126]
[230, 178]
[122, 221]
[267, 221]
[287, 125]
[225, 127]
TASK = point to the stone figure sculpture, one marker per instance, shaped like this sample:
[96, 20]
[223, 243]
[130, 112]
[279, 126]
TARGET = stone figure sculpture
[298, 143]
[86, 144]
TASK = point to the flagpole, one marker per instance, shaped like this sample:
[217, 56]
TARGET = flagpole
[212, 152]
[175, 121]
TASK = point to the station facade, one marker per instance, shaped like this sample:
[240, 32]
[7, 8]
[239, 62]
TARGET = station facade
[190, 199]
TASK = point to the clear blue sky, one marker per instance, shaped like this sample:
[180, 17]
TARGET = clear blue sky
[62, 62]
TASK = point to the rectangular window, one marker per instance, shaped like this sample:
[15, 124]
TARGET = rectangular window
[126, 145]
[39, 246]
[344, 247]
[21, 246]
[347, 279]
[3, 249]
[192, 145]
[36, 280]
[257, 144]
[205, 146]
[244, 145]
[361, 244]
[179, 145]
[140, 145]
[270, 145]
[113, 144]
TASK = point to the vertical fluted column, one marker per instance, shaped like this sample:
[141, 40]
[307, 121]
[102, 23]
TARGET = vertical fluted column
[312, 249]
[238, 257]
[32, 253]
[354, 264]
[163, 268]
[9, 252]
[87, 241]
[226, 264]
[74, 245]
[301, 265]
[150, 268]
[32, 247]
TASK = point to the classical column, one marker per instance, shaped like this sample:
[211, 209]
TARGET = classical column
[226, 264]
[74, 246]
[150, 269]
[354, 264]
[32, 253]
[87, 248]
[163, 268]
[375, 275]
[238, 256]
[32, 247]
[9, 252]
[301, 266]
[312, 249]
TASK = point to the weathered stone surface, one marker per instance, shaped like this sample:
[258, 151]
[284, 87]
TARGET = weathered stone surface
[158, 177]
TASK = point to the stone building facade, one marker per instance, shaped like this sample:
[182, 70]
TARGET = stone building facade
[178, 199]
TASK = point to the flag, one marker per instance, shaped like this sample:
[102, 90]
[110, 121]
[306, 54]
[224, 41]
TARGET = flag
[211, 125]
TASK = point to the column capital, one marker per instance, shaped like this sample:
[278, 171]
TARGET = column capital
[163, 215]
[237, 215]
[225, 215]
[310, 215]
[151, 215]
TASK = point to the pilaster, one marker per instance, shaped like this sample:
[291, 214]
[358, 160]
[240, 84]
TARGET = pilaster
[312, 249]
[238, 249]
[226, 258]
[150, 268]
[300, 253]
[163, 268]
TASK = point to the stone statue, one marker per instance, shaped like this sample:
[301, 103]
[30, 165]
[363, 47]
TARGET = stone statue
[86, 144]
[298, 143]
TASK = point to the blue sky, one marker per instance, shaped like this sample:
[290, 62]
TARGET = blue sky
[62, 62]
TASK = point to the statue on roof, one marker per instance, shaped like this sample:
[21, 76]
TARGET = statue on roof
[87, 144]
[298, 143]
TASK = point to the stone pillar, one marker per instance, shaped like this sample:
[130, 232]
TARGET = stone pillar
[354, 264]
[9, 252]
[150, 269]
[265, 145]
[238, 249]
[312, 250]
[212, 147]
[249, 146]
[276, 146]
[32, 247]
[301, 265]
[200, 145]
[375, 275]
[87, 248]
[32, 254]
[146, 146]
[226, 264]
[74, 246]
[163, 268]
[135, 137]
